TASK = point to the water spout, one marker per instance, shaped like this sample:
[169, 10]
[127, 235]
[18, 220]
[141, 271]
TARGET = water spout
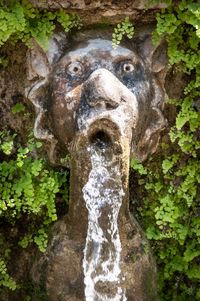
[103, 196]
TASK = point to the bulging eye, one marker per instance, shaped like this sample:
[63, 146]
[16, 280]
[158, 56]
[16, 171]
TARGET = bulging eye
[75, 68]
[128, 67]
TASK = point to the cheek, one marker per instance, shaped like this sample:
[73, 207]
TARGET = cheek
[63, 113]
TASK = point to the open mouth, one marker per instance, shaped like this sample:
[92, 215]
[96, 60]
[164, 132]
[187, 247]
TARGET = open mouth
[104, 136]
[101, 140]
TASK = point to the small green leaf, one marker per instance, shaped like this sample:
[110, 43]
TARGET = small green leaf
[167, 165]
[18, 107]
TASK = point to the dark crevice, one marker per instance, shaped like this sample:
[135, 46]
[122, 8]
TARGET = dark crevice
[100, 140]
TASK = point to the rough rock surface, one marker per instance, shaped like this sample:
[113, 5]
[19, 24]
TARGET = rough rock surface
[100, 4]
[103, 11]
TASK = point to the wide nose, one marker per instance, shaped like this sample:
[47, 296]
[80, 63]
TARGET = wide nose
[103, 89]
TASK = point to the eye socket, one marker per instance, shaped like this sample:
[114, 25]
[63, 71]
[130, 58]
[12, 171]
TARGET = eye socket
[128, 67]
[75, 68]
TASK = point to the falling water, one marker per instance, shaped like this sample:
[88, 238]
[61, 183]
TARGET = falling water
[103, 196]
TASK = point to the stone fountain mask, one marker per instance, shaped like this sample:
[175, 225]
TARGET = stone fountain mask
[93, 95]
[93, 81]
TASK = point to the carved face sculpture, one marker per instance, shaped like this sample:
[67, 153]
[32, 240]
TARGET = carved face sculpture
[95, 94]
[95, 82]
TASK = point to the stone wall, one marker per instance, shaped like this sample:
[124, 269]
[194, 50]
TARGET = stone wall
[104, 11]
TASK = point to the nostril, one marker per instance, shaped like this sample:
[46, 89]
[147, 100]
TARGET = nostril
[110, 107]
[99, 105]
[123, 100]
[96, 102]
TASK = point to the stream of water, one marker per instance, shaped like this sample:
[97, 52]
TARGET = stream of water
[103, 196]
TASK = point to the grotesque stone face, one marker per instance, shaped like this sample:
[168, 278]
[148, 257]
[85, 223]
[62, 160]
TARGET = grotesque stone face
[101, 105]
[95, 82]
[91, 80]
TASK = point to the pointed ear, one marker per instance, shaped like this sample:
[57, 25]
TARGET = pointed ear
[149, 142]
[39, 62]
[159, 61]
[39, 65]
[155, 56]
[37, 94]
[155, 59]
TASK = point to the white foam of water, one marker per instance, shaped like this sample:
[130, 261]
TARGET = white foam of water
[101, 263]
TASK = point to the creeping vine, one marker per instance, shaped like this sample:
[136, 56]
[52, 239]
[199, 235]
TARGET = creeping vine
[20, 21]
[28, 187]
[171, 207]
[122, 29]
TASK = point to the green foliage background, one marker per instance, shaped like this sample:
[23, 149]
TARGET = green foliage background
[28, 185]
[28, 188]
[169, 210]
[20, 21]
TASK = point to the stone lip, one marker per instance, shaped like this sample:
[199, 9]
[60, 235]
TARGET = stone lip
[102, 133]
[102, 129]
